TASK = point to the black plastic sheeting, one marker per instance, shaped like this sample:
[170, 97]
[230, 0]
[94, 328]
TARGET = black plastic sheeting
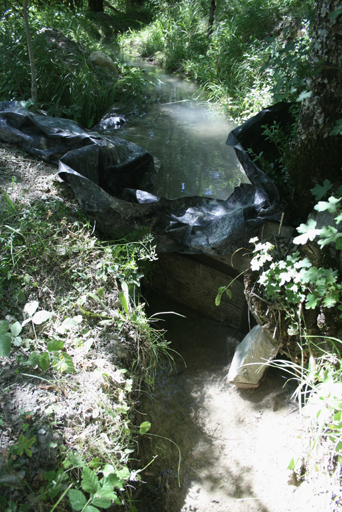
[112, 180]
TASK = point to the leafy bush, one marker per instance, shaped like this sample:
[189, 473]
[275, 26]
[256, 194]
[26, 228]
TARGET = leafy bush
[292, 286]
[297, 282]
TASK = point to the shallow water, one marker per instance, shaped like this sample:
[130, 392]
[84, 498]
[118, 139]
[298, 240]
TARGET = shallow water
[187, 136]
[176, 404]
[217, 448]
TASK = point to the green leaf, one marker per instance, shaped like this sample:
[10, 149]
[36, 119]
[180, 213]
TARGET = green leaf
[17, 341]
[63, 362]
[292, 464]
[331, 205]
[337, 12]
[44, 361]
[95, 463]
[319, 191]
[108, 469]
[101, 502]
[330, 300]
[55, 345]
[16, 329]
[338, 447]
[218, 299]
[33, 359]
[5, 345]
[124, 473]
[21, 296]
[312, 301]
[309, 232]
[41, 316]
[69, 323]
[124, 302]
[74, 460]
[27, 279]
[338, 416]
[90, 508]
[113, 480]
[77, 499]
[144, 427]
[329, 234]
[4, 326]
[89, 481]
[338, 219]
[229, 293]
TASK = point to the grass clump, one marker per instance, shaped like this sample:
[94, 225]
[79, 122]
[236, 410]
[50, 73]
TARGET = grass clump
[73, 333]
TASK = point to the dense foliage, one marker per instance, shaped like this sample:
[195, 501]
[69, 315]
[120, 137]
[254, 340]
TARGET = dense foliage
[256, 53]
[71, 320]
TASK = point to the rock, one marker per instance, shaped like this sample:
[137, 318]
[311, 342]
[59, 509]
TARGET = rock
[109, 123]
[99, 58]
[249, 359]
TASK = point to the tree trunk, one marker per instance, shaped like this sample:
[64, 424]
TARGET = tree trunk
[31, 57]
[211, 17]
[317, 154]
[95, 5]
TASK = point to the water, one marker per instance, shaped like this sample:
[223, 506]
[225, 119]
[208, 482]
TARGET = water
[188, 138]
[227, 451]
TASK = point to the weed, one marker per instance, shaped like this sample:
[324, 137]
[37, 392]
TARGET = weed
[293, 286]
[65, 292]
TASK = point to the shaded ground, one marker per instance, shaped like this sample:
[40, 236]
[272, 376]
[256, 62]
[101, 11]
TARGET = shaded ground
[236, 445]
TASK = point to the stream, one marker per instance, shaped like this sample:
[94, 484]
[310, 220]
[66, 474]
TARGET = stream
[211, 447]
[187, 137]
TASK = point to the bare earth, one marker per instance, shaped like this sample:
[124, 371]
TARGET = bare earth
[236, 444]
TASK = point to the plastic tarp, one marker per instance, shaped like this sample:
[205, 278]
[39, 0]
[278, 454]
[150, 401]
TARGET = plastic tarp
[112, 180]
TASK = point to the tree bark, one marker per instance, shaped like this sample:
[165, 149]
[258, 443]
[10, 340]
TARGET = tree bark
[317, 154]
[31, 56]
[211, 17]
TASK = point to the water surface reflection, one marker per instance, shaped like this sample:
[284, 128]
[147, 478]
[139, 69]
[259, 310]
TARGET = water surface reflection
[188, 137]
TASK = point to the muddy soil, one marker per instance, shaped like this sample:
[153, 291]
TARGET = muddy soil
[235, 445]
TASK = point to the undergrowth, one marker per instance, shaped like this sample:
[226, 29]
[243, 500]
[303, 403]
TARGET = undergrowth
[68, 85]
[73, 325]
[255, 54]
